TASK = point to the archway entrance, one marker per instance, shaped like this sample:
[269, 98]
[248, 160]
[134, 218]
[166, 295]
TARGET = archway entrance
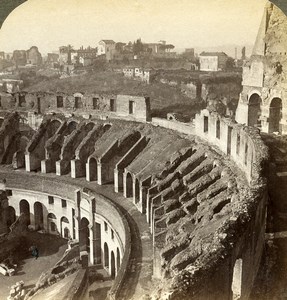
[11, 216]
[84, 234]
[106, 256]
[129, 185]
[254, 111]
[113, 265]
[93, 168]
[38, 215]
[64, 227]
[52, 227]
[237, 279]
[137, 191]
[118, 260]
[275, 115]
[25, 211]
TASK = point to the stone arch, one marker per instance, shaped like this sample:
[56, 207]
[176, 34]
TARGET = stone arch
[113, 265]
[254, 110]
[93, 169]
[38, 215]
[89, 126]
[106, 255]
[275, 115]
[84, 234]
[51, 220]
[53, 127]
[107, 126]
[118, 259]
[72, 125]
[129, 185]
[65, 232]
[137, 191]
[25, 210]
[11, 215]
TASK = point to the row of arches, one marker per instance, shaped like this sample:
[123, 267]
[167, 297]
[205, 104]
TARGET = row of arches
[88, 232]
[24, 208]
[110, 262]
[255, 113]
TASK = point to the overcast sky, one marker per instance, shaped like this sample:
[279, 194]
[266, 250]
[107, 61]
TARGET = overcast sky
[49, 24]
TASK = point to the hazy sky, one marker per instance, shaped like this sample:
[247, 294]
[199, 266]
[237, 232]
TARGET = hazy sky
[49, 24]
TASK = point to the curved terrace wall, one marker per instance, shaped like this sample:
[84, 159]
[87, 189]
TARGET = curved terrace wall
[192, 192]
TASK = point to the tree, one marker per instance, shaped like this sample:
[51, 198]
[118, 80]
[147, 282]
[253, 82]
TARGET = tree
[243, 52]
[138, 47]
[230, 63]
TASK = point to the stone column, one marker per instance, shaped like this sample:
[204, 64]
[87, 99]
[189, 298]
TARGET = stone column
[92, 244]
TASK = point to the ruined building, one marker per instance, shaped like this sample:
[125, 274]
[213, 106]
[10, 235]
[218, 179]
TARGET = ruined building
[263, 101]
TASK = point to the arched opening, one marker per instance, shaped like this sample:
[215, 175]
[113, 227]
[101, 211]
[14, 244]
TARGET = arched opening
[25, 211]
[129, 185]
[237, 279]
[106, 256]
[11, 216]
[218, 129]
[93, 169]
[66, 233]
[113, 265]
[64, 222]
[84, 234]
[254, 110]
[137, 191]
[71, 127]
[275, 115]
[89, 126]
[38, 215]
[118, 260]
[51, 220]
[107, 127]
[53, 127]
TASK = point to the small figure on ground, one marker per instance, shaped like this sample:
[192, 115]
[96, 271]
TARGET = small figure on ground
[35, 251]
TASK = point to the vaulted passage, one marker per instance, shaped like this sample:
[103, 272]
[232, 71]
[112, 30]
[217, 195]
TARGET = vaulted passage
[254, 110]
[25, 210]
[38, 215]
[84, 234]
[275, 115]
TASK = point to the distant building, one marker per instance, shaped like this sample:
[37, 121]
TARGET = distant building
[137, 73]
[52, 58]
[2, 55]
[10, 85]
[19, 57]
[33, 56]
[189, 53]
[107, 48]
[212, 61]
[87, 56]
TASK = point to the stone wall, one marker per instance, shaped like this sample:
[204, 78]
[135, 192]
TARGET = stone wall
[128, 106]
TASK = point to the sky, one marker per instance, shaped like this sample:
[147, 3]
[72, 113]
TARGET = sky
[49, 24]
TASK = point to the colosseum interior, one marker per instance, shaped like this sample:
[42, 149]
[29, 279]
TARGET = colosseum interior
[170, 210]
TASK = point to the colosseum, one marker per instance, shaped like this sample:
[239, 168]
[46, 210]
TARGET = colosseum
[170, 210]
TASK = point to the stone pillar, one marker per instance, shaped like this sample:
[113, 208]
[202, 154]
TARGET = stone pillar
[100, 173]
[88, 176]
[92, 244]
[77, 213]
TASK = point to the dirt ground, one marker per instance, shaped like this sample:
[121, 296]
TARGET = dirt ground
[29, 269]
